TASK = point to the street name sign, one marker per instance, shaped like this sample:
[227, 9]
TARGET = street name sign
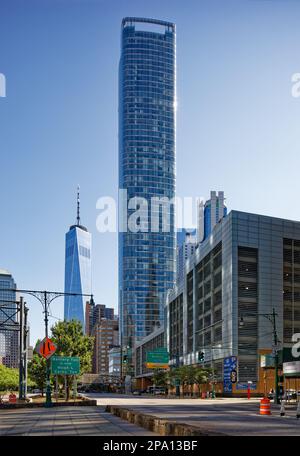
[65, 365]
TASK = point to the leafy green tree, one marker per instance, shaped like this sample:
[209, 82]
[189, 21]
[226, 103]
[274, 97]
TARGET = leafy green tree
[37, 371]
[9, 379]
[201, 376]
[161, 378]
[191, 375]
[71, 341]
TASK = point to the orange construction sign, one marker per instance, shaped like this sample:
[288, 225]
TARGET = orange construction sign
[46, 348]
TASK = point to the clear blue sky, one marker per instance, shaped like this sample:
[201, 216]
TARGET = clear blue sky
[237, 123]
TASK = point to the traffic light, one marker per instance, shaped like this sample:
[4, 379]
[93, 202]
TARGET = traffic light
[200, 357]
[125, 359]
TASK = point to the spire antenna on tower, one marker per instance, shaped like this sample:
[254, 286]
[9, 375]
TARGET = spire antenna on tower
[78, 205]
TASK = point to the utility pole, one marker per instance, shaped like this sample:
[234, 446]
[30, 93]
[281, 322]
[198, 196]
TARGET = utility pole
[177, 380]
[121, 357]
[277, 400]
[21, 350]
[26, 344]
[48, 386]
[272, 318]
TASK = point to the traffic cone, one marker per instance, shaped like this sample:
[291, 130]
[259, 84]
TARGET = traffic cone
[298, 411]
[282, 409]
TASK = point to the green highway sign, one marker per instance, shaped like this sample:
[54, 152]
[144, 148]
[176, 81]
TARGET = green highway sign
[65, 365]
[158, 356]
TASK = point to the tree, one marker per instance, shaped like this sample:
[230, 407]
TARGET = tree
[201, 376]
[37, 371]
[191, 375]
[9, 378]
[161, 378]
[184, 375]
[71, 341]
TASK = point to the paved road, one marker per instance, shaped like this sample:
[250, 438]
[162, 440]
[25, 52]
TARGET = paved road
[65, 421]
[231, 416]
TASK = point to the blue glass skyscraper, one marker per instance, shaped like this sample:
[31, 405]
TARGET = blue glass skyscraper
[147, 96]
[77, 269]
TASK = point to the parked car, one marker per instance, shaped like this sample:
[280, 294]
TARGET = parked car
[157, 391]
[286, 395]
[291, 394]
[136, 392]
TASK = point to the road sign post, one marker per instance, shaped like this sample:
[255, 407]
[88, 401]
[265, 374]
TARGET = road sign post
[249, 390]
[46, 349]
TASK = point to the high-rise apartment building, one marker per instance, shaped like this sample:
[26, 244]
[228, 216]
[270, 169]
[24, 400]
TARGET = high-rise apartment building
[9, 344]
[77, 269]
[94, 313]
[185, 249]
[106, 334]
[147, 108]
[209, 214]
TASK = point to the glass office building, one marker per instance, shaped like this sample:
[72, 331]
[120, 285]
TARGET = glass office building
[147, 96]
[9, 346]
[77, 270]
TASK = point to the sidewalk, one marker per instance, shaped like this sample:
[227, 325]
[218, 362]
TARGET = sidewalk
[74, 421]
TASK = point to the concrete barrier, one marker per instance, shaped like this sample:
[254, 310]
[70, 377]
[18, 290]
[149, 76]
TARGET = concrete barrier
[158, 425]
[85, 402]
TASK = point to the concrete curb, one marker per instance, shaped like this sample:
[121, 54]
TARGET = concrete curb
[158, 425]
[88, 402]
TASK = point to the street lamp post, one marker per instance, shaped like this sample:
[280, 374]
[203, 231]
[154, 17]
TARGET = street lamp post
[45, 298]
[177, 380]
[272, 318]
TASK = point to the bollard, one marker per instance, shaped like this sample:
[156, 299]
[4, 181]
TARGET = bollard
[12, 398]
[265, 406]
[282, 408]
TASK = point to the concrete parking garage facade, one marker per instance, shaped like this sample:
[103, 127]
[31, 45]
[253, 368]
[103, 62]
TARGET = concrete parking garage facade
[248, 266]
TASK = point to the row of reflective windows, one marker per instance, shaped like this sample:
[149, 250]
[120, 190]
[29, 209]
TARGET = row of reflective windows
[145, 149]
[134, 178]
[141, 43]
[134, 78]
[167, 45]
[149, 165]
[150, 69]
[153, 154]
[151, 119]
[159, 58]
[83, 251]
[132, 109]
